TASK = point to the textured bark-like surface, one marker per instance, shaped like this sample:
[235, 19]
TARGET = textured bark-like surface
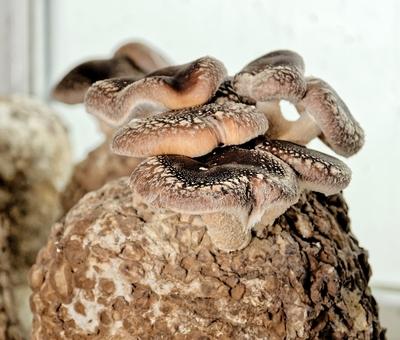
[9, 325]
[32, 209]
[99, 167]
[113, 268]
[35, 165]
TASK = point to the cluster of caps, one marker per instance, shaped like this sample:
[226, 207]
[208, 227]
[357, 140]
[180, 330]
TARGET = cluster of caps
[215, 145]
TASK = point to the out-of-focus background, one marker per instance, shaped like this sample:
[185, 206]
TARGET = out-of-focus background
[355, 46]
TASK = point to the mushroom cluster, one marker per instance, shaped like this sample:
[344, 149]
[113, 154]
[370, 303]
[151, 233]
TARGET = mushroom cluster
[219, 147]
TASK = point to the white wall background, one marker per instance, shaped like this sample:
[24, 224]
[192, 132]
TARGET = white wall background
[354, 45]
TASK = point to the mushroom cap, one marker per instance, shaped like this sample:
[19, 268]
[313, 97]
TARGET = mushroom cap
[73, 86]
[339, 130]
[274, 76]
[190, 132]
[175, 87]
[315, 170]
[146, 58]
[130, 60]
[240, 182]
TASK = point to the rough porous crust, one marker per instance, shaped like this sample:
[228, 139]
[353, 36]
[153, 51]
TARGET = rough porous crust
[114, 268]
[9, 325]
[35, 164]
[33, 142]
[99, 167]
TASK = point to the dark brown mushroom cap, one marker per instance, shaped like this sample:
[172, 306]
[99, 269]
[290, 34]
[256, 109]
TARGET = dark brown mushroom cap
[339, 130]
[175, 87]
[240, 182]
[73, 86]
[130, 60]
[190, 132]
[146, 58]
[315, 170]
[274, 76]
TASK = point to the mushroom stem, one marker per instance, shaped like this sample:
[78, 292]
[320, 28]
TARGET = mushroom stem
[226, 231]
[274, 211]
[300, 131]
[277, 123]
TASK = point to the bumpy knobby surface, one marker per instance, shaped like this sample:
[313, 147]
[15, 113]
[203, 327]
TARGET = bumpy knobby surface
[114, 268]
[33, 142]
[9, 326]
[99, 167]
[35, 163]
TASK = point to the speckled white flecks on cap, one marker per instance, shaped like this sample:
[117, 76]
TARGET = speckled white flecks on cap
[191, 132]
[316, 171]
[121, 99]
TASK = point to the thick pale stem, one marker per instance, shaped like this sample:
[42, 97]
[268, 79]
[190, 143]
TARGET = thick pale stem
[300, 131]
[275, 210]
[277, 123]
[226, 231]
